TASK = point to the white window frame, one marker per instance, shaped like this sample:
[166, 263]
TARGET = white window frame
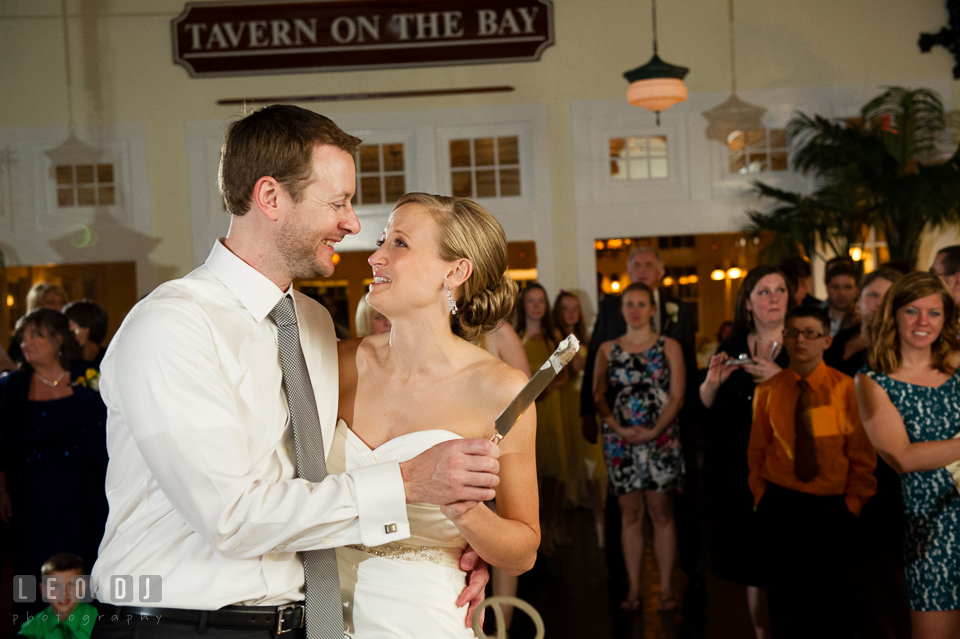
[648, 158]
[521, 130]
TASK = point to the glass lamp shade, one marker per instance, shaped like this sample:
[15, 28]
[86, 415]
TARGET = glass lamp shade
[657, 85]
[656, 94]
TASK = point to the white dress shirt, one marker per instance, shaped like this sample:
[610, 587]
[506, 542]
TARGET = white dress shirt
[202, 479]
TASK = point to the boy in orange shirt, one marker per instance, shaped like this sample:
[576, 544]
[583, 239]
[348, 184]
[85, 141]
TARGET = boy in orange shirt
[811, 472]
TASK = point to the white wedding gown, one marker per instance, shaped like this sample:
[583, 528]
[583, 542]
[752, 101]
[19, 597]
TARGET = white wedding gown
[407, 589]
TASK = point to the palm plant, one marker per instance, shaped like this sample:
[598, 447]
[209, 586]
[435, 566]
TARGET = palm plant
[884, 170]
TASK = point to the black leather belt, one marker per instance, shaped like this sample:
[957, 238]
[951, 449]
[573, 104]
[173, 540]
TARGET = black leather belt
[277, 619]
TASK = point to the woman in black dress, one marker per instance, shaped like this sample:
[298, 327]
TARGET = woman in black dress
[54, 456]
[727, 391]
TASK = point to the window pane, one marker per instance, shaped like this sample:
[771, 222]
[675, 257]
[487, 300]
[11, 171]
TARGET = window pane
[105, 173]
[370, 158]
[509, 182]
[735, 141]
[460, 155]
[756, 164]
[461, 183]
[392, 157]
[778, 139]
[658, 168]
[618, 169]
[486, 184]
[65, 197]
[370, 190]
[483, 151]
[616, 147]
[65, 176]
[395, 187]
[778, 161]
[507, 150]
[84, 174]
[658, 145]
[639, 170]
[106, 195]
[757, 139]
[85, 195]
[637, 147]
[737, 162]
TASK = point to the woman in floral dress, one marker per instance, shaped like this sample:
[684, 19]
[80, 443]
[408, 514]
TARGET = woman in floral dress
[638, 389]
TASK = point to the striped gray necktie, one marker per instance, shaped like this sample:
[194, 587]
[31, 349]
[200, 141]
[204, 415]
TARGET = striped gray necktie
[324, 614]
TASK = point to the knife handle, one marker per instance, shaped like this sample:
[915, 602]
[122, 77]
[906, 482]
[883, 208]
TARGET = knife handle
[496, 438]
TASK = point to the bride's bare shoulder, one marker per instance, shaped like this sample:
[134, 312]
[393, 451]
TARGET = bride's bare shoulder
[498, 379]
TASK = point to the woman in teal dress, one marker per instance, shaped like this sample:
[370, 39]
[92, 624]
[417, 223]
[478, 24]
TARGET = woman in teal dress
[909, 398]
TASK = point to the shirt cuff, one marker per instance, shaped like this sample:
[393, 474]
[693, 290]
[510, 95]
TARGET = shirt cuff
[381, 503]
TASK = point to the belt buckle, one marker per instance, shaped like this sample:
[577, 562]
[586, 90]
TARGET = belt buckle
[280, 610]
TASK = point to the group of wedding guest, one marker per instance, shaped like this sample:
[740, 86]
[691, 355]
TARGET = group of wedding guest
[52, 433]
[570, 468]
[805, 464]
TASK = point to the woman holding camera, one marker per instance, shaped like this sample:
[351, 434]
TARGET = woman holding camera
[753, 355]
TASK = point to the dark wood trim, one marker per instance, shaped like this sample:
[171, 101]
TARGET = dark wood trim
[383, 95]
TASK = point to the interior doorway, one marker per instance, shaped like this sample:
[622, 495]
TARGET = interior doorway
[112, 285]
[703, 270]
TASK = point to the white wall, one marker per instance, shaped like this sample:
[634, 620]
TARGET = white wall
[123, 76]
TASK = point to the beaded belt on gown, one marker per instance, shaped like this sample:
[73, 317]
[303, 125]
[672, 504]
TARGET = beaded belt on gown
[449, 557]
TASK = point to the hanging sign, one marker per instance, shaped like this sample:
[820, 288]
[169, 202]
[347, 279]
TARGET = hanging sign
[243, 38]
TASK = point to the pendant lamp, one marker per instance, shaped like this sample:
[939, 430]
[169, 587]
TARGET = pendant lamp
[71, 151]
[734, 114]
[657, 85]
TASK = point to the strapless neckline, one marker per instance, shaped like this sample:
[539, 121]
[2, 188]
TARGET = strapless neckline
[418, 435]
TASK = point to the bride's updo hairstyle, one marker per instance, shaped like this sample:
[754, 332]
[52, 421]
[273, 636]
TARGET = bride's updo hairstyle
[467, 230]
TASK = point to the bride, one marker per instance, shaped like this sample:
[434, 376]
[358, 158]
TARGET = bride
[440, 277]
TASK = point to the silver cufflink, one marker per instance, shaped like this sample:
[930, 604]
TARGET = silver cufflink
[390, 528]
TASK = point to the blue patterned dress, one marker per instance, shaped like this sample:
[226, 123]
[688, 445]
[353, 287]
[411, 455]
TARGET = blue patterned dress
[931, 501]
[638, 387]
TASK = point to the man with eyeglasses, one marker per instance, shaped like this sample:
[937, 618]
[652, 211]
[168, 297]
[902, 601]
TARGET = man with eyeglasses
[811, 472]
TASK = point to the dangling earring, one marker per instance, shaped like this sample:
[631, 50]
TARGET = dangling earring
[450, 303]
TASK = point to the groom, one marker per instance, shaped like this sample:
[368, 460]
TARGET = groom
[202, 482]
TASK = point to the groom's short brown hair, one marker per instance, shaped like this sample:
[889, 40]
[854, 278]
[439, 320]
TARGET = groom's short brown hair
[276, 141]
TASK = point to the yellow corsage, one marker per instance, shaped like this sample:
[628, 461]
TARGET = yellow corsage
[90, 379]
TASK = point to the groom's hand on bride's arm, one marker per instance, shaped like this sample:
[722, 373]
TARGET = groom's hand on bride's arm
[461, 470]
[478, 574]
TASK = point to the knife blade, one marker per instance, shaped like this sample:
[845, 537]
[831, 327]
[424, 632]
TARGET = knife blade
[529, 393]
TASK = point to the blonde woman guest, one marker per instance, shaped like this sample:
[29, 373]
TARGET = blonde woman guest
[46, 295]
[910, 404]
[369, 320]
[584, 459]
[540, 338]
